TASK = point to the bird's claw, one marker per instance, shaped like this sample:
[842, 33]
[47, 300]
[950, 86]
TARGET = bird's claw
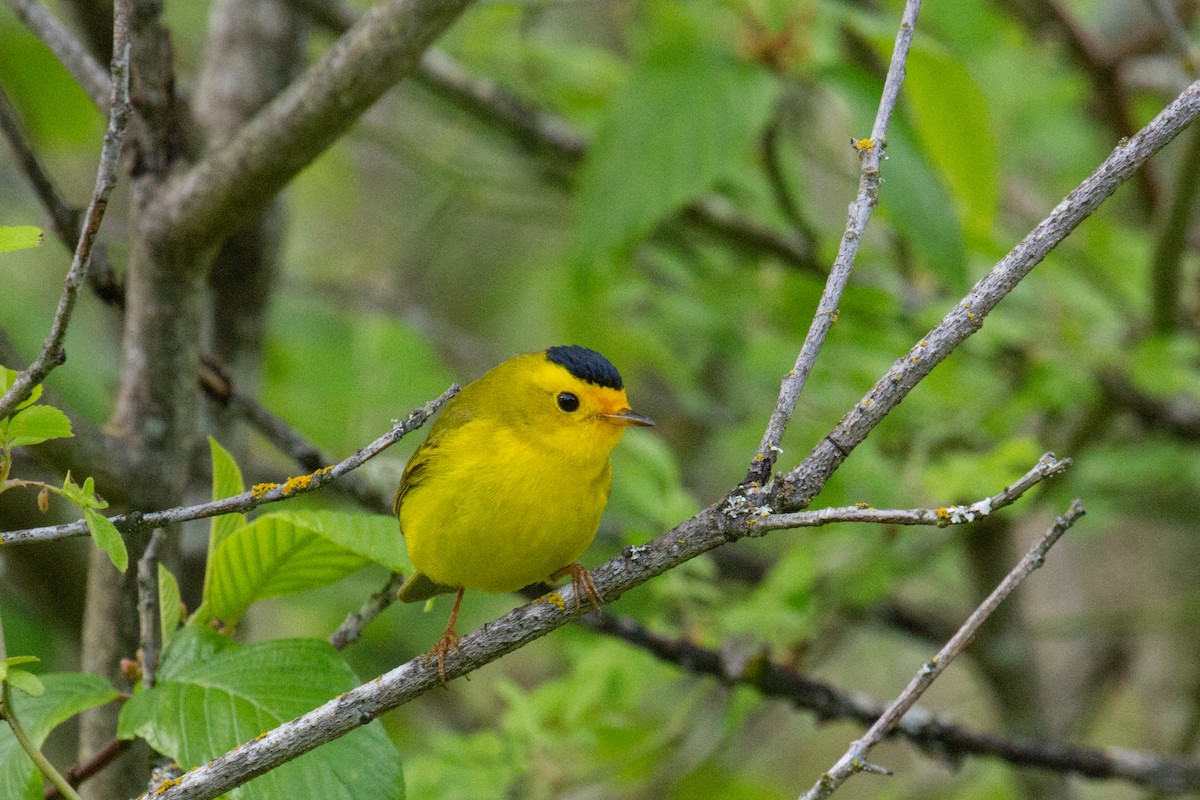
[581, 585]
[448, 642]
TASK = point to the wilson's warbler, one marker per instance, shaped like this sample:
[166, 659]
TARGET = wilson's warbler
[508, 488]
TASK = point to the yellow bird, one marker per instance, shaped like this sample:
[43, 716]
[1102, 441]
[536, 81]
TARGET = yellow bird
[508, 488]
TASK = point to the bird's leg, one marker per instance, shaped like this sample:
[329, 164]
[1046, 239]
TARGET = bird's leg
[581, 584]
[449, 640]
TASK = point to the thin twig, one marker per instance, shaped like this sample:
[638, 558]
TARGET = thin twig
[52, 353]
[1166, 263]
[78, 774]
[1168, 16]
[246, 501]
[63, 218]
[279, 433]
[1103, 69]
[85, 69]
[1047, 466]
[9, 715]
[1179, 416]
[934, 735]
[238, 178]
[871, 153]
[855, 758]
[799, 486]
[772, 163]
[352, 627]
[708, 529]
[548, 135]
[149, 611]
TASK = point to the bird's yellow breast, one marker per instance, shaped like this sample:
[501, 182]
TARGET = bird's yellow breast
[495, 507]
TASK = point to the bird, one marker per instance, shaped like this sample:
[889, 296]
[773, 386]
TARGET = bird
[508, 488]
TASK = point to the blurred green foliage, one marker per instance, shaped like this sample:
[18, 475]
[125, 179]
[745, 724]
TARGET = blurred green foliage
[426, 246]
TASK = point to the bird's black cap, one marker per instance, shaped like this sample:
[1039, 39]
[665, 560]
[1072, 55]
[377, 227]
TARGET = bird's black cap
[587, 365]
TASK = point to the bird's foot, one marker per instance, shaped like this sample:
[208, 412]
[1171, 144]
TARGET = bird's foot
[448, 642]
[581, 585]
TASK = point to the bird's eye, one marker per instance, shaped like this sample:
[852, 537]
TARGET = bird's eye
[568, 401]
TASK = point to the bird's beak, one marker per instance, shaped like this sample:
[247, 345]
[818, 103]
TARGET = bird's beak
[628, 417]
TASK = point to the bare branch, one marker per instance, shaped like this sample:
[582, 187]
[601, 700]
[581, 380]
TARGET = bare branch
[52, 353]
[870, 152]
[63, 218]
[1168, 15]
[1180, 416]
[284, 437]
[85, 69]
[934, 735]
[545, 134]
[1102, 68]
[149, 611]
[854, 760]
[103, 757]
[1047, 466]
[259, 495]
[708, 529]
[1166, 264]
[240, 177]
[351, 628]
[800, 485]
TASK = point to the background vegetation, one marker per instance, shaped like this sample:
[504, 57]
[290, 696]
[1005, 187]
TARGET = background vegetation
[670, 190]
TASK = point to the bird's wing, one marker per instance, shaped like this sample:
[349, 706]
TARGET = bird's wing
[453, 416]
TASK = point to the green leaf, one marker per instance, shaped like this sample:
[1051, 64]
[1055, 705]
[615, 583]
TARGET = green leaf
[12, 661]
[373, 536]
[82, 496]
[289, 552]
[687, 116]
[19, 237]
[66, 695]
[169, 599]
[27, 682]
[227, 482]
[36, 424]
[107, 538]
[214, 695]
[950, 115]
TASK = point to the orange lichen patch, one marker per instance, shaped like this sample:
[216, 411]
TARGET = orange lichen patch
[864, 146]
[260, 489]
[862, 505]
[301, 483]
[554, 598]
[167, 784]
[943, 514]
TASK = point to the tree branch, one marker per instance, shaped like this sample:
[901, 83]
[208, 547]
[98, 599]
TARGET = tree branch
[283, 436]
[545, 134]
[352, 627]
[259, 495]
[78, 774]
[241, 177]
[149, 610]
[52, 353]
[934, 735]
[63, 219]
[85, 69]
[854, 760]
[1048, 465]
[800, 485]
[870, 152]
[708, 529]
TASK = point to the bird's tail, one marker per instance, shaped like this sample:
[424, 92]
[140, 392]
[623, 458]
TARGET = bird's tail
[419, 587]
